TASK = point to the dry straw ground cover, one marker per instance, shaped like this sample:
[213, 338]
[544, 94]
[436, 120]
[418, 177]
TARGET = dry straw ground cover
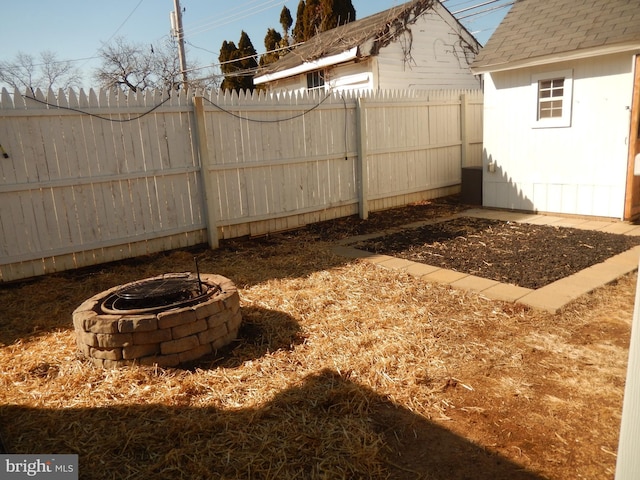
[342, 370]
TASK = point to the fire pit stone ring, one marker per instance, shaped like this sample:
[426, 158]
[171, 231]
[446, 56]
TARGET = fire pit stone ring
[187, 329]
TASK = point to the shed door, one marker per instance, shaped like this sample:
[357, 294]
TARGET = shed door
[632, 200]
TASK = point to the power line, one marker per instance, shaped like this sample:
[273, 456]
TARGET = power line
[474, 7]
[84, 59]
[487, 10]
[124, 21]
[241, 7]
[245, 71]
[116, 31]
[245, 13]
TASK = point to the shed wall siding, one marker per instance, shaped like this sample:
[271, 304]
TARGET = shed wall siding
[579, 169]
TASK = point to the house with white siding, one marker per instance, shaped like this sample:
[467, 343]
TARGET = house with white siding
[561, 108]
[416, 45]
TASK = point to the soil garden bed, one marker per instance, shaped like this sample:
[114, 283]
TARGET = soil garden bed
[526, 255]
[341, 369]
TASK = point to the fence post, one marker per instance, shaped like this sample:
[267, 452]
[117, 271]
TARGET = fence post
[628, 462]
[464, 133]
[362, 172]
[205, 173]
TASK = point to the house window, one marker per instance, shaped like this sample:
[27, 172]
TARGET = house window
[553, 99]
[315, 80]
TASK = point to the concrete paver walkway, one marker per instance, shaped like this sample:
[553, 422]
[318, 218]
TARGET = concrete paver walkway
[551, 297]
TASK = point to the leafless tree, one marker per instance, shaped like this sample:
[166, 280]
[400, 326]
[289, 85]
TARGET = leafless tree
[134, 67]
[127, 66]
[46, 72]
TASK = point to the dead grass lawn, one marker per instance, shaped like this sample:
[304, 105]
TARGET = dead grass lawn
[343, 370]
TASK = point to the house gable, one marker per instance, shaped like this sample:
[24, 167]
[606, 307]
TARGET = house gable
[433, 53]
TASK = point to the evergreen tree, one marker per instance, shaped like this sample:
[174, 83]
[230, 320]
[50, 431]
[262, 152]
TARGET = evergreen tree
[228, 53]
[312, 19]
[272, 42]
[286, 21]
[238, 64]
[336, 13]
[299, 33]
[316, 16]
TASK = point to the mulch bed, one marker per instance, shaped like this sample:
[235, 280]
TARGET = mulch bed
[526, 255]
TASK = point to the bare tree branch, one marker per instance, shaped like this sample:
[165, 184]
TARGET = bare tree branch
[135, 67]
[25, 72]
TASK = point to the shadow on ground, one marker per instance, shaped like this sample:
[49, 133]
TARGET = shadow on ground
[262, 331]
[326, 427]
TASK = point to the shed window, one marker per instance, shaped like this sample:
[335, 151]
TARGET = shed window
[315, 80]
[553, 99]
[550, 93]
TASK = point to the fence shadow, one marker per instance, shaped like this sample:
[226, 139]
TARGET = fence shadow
[328, 427]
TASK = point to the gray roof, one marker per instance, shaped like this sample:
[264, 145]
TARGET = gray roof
[539, 28]
[369, 34]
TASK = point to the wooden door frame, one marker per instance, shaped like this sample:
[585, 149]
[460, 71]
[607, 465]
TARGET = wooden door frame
[629, 211]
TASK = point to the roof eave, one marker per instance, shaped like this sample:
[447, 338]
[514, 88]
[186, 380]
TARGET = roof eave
[633, 46]
[308, 66]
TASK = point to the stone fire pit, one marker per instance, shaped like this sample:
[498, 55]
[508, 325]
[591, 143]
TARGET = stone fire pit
[116, 328]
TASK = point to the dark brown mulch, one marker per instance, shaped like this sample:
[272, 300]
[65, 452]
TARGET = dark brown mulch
[526, 255]
[340, 228]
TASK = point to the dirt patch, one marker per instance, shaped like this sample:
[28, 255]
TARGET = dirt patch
[341, 370]
[526, 255]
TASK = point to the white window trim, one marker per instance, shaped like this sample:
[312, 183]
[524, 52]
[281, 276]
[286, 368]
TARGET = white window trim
[567, 99]
[323, 74]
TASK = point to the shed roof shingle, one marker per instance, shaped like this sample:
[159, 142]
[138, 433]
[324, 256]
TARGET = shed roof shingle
[538, 28]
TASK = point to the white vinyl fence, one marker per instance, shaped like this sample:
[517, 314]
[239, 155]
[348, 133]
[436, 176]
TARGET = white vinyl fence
[87, 178]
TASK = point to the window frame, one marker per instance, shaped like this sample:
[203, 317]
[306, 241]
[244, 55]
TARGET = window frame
[566, 98]
[321, 76]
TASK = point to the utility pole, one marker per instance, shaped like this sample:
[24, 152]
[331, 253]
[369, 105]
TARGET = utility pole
[178, 33]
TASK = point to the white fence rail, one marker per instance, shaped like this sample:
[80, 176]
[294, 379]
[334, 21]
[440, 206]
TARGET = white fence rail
[95, 177]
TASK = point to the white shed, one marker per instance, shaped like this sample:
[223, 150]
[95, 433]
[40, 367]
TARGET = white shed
[416, 45]
[561, 108]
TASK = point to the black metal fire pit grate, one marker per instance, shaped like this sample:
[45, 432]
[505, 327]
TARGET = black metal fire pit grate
[157, 294]
[158, 288]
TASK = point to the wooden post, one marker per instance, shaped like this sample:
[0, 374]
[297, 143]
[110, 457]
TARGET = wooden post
[628, 463]
[205, 172]
[361, 132]
[464, 134]
[632, 191]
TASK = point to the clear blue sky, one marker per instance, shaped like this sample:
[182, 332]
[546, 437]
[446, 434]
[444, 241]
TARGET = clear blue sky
[76, 29]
